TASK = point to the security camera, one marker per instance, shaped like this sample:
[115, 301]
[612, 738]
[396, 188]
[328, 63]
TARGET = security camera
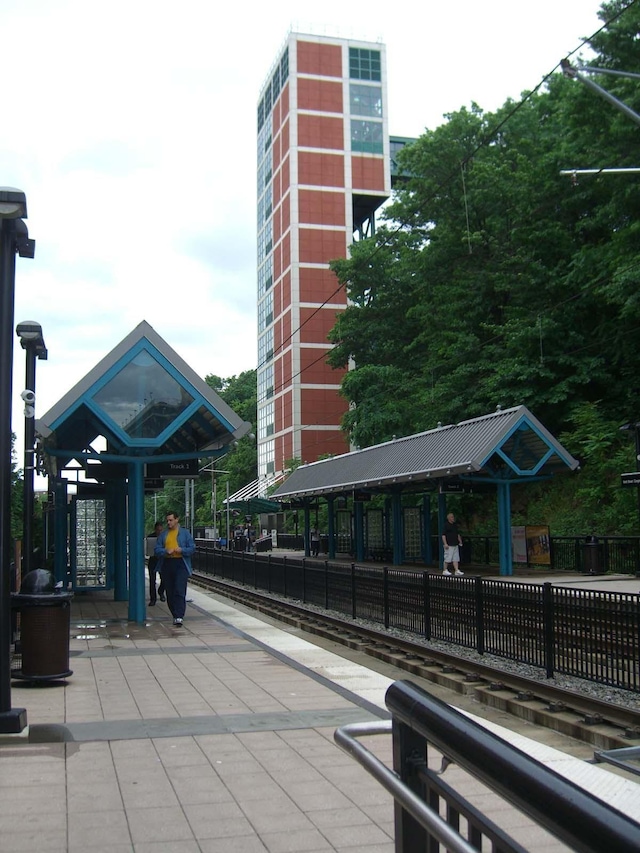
[28, 396]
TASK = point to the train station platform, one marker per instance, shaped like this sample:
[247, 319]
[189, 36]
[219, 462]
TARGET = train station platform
[218, 737]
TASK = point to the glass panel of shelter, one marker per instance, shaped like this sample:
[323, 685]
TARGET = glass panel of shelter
[143, 398]
[91, 537]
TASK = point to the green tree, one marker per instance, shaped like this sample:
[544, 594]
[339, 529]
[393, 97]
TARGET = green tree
[498, 281]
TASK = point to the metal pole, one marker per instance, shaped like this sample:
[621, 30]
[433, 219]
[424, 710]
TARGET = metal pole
[228, 519]
[11, 720]
[29, 466]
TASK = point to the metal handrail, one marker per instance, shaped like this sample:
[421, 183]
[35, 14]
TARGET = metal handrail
[556, 804]
[569, 812]
[346, 738]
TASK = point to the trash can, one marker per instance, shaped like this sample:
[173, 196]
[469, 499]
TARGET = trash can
[591, 556]
[45, 621]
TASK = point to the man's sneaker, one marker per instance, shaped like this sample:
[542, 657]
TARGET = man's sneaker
[446, 572]
[177, 623]
[458, 572]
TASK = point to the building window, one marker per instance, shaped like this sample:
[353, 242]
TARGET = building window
[266, 458]
[280, 76]
[265, 276]
[265, 312]
[265, 206]
[364, 64]
[366, 136]
[265, 383]
[265, 241]
[264, 143]
[266, 422]
[265, 347]
[264, 175]
[365, 100]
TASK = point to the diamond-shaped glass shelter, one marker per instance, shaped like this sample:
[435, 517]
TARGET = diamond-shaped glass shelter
[146, 406]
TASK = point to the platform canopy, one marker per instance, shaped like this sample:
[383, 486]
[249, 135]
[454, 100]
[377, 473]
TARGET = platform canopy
[508, 445]
[253, 498]
[145, 402]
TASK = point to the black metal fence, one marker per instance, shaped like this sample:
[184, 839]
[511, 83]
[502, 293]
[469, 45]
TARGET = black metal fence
[619, 554]
[585, 633]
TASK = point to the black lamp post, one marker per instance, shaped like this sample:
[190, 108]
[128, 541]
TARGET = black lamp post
[31, 340]
[14, 239]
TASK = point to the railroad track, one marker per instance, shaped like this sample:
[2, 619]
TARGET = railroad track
[601, 724]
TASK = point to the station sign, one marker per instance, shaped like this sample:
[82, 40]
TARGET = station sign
[359, 495]
[179, 469]
[452, 487]
[630, 479]
[153, 484]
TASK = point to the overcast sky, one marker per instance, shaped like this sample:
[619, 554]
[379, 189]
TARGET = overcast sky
[130, 125]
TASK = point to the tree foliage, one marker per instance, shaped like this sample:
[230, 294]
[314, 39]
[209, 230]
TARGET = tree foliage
[498, 281]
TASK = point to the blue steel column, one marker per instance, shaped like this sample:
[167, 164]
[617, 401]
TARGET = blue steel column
[331, 528]
[73, 540]
[137, 610]
[60, 532]
[358, 529]
[427, 550]
[504, 528]
[442, 520]
[119, 533]
[111, 505]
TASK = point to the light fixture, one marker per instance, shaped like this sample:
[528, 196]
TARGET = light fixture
[13, 203]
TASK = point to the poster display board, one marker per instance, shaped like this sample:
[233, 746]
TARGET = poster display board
[538, 545]
[519, 544]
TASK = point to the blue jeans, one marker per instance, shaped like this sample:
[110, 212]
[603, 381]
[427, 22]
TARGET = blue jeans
[153, 562]
[174, 577]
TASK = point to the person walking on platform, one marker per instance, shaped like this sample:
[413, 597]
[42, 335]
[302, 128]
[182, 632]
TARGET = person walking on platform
[315, 541]
[452, 542]
[152, 566]
[174, 549]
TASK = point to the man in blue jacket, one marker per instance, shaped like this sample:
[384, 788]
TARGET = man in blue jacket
[174, 548]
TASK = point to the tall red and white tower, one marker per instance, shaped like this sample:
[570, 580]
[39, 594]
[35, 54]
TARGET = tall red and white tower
[323, 170]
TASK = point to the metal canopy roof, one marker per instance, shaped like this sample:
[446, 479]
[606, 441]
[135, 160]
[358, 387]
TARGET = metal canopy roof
[146, 401]
[506, 445]
[253, 497]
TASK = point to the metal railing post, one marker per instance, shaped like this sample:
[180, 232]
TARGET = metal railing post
[548, 623]
[479, 589]
[385, 595]
[354, 609]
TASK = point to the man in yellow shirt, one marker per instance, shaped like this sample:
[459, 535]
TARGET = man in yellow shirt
[173, 549]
